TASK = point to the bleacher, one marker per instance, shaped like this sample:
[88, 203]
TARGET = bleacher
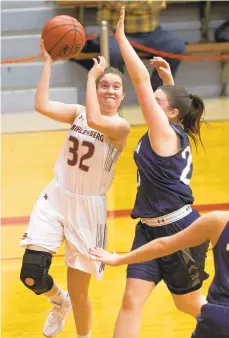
[191, 49]
[22, 22]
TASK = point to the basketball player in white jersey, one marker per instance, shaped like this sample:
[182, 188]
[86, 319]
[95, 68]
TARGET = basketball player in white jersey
[72, 208]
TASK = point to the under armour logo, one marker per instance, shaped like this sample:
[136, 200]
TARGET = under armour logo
[45, 196]
[160, 221]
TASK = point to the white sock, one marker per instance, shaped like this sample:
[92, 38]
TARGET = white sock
[58, 297]
[87, 336]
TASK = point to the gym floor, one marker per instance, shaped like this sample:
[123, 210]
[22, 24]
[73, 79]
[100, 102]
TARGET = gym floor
[28, 157]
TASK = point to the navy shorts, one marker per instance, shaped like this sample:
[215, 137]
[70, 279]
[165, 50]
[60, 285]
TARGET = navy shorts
[183, 271]
[213, 322]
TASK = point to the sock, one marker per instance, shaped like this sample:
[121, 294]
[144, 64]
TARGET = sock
[87, 336]
[58, 297]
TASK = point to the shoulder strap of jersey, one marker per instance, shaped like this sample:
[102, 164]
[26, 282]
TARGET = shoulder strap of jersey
[183, 137]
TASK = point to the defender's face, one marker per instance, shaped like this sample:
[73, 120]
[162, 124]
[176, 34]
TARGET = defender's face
[163, 102]
[110, 93]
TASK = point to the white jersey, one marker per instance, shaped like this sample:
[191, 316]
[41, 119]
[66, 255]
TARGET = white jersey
[86, 162]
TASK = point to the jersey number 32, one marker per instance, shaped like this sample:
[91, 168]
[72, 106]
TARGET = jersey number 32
[73, 149]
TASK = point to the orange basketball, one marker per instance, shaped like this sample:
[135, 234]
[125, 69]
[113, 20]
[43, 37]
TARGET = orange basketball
[63, 37]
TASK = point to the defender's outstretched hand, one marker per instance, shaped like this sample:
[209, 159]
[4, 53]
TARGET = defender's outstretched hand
[104, 256]
[120, 30]
[163, 69]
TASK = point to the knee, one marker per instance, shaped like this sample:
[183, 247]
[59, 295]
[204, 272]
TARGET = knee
[80, 301]
[189, 308]
[131, 302]
[34, 271]
[182, 307]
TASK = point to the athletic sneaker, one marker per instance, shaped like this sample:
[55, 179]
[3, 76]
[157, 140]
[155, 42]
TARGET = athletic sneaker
[57, 317]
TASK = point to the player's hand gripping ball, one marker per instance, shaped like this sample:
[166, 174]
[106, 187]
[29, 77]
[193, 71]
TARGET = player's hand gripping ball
[63, 37]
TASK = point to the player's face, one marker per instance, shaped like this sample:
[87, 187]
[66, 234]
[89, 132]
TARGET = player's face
[110, 93]
[163, 102]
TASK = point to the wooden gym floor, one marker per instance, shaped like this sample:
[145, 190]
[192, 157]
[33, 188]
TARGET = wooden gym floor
[27, 165]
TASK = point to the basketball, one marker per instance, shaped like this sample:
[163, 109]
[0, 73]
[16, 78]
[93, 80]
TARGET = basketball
[63, 37]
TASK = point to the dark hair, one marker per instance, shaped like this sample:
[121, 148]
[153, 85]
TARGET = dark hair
[112, 70]
[191, 108]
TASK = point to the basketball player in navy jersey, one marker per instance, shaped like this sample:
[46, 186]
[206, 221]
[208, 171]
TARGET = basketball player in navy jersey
[213, 321]
[163, 203]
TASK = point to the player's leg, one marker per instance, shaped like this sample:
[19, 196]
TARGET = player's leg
[190, 303]
[85, 228]
[183, 272]
[42, 239]
[35, 276]
[54, 292]
[141, 280]
[129, 318]
[186, 280]
[188, 298]
[78, 285]
[34, 271]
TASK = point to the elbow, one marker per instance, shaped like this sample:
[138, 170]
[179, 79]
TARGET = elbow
[37, 107]
[163, 247]
[143, 78]
[41, 108]
[162, 243]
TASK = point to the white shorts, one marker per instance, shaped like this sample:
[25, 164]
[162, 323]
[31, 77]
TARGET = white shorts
[79, 220]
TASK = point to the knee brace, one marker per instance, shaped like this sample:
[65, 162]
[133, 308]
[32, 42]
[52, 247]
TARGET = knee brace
[35, 265]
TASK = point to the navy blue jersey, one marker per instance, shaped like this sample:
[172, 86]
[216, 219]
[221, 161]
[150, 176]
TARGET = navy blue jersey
[219, 289]
[163, 182]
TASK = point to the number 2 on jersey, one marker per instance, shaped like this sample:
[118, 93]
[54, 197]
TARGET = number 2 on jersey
[186, 154]
[74, 151]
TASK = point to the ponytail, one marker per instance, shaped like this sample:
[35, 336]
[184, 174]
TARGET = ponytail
[190, 108]
[191, 121]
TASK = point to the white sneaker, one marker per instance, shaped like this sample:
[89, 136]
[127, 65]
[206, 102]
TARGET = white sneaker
[57, 317]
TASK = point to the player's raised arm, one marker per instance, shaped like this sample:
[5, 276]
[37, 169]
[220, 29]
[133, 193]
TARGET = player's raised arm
[58, 111]
[154, 116]
[207, 227]
[107, 97]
